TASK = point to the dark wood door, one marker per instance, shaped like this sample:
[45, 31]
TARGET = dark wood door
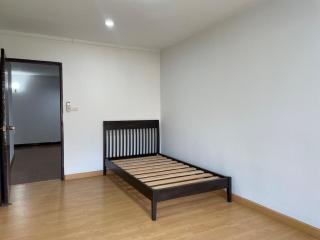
[6, 129]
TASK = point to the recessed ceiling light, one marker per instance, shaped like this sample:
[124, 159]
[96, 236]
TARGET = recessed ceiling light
[109, 23]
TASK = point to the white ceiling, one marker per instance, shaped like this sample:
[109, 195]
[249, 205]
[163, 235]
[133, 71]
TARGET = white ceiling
[151, 24]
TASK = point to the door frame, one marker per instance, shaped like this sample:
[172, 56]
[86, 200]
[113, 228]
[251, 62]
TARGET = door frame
[59, 64]
[5, 160]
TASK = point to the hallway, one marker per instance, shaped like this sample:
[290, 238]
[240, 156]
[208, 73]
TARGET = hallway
[36, 163]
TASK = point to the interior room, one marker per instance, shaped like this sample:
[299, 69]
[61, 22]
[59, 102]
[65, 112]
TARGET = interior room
[162, 119]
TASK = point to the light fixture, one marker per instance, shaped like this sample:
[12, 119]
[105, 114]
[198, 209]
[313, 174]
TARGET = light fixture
[109, 23]
[15, 87]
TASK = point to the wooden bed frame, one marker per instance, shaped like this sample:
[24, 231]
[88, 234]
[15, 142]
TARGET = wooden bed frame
[130, 143]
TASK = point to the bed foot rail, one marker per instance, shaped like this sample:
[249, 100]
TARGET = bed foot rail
[229, 190]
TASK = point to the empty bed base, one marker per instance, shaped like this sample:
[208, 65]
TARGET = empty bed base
[162, 166]
[160, 178]
[131, 150]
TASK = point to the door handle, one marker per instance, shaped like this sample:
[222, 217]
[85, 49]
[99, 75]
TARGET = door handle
[7, 128]
[11, 128]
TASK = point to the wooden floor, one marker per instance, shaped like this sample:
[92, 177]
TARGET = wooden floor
[108, 208]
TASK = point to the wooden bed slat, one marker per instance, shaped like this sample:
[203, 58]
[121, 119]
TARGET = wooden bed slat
[155, 167]
[158, 170]
[182, 174]
[179, 179]
[143, 163]
[159, 164]
[127, 166]
[139, 159]
[184, 183]
[163, 173]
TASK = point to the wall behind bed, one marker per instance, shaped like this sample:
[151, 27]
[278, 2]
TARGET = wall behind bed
[243, 99]
[105, 82]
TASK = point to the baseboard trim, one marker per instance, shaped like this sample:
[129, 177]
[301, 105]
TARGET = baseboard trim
[301, 226]
[83, 175]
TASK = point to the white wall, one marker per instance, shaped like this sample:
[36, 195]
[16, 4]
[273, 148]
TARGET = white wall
[106, 83]
[36, 108]
[243, 99]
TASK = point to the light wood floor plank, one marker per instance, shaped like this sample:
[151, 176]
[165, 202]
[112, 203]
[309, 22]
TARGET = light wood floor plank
[102, 208]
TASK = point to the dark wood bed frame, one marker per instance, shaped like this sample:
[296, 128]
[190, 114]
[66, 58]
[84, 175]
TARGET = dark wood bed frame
[133, 139]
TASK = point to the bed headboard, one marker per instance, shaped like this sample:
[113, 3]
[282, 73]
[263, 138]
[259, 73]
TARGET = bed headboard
[124, 139]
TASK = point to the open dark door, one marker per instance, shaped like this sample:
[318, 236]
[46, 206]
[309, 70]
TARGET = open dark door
[6, 129]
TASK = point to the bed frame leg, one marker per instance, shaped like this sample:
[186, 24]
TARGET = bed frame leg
[229, 190]
[154, 208]
[104, 167]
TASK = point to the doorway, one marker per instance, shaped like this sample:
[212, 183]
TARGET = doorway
[37, 117]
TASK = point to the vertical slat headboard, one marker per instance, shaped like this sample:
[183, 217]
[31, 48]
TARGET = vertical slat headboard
[125, 139]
